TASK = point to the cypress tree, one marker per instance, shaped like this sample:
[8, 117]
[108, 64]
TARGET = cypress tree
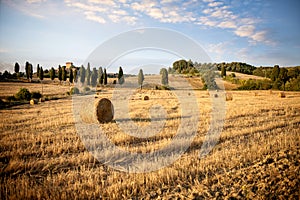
[105, 77]
[100, 76]
[17, 67]
[38, 70]
[52, 73]
[82, 74]
[30, 71]
[71, 76]
[164, 76]
[94, 77]
[121, 79]
[88, 75]
[75, 75]
[59, 73]
[141, 78]
[41, 74]
[27, 70]
[64, 73]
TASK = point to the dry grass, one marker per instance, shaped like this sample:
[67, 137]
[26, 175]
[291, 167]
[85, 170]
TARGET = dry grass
[257, 156]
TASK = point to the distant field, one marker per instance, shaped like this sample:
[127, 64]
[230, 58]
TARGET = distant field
[256, 157]
[244, 76]
[11, 88]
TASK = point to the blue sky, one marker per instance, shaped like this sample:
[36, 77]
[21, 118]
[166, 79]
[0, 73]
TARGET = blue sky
[259, 32]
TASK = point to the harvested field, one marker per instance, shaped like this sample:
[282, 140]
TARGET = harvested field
[256, 157]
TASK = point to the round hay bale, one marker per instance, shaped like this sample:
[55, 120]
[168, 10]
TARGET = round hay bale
[282, 95]
[33, 101]
[216, 95]
[229, 97]
[104, 110]
[146, 98]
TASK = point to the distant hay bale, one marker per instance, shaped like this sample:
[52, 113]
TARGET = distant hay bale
[216, 95]
[33, 101]
[282, 95]
[104, 111]
[41, 100]
[255, 93]
[229, 97]
[146, 98]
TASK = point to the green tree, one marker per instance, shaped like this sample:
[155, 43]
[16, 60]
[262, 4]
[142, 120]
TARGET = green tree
[141, 78]
[38, 70]
[64, 73]
[82, 74]
[59, 73]
[88, 75]
[52, 73]
[41, 74]
[275, 73]
[105, 77]
[283, 76]
[17, 68]
[293, 72]
[94, 77]
[164, 76]
[223, 71]
[121, 79]
[71, 77]
[100, 76]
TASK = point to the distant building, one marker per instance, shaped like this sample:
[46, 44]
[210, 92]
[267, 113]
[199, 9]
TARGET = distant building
[69, 65]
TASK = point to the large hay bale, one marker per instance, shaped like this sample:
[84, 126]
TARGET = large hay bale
[146, 98]
[282, 95]
[104, 110]
[33, 101]
[229, 97]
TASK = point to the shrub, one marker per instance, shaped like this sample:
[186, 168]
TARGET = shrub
[74, 90]
[11, 98]
[86, 89]
[36, 95]
[23, 94]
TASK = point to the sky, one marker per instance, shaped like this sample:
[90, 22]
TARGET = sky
[49, 33]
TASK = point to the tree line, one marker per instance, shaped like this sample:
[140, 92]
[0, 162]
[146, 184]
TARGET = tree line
[85, 76]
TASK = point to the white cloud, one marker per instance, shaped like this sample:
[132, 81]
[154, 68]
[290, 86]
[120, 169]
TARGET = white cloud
[86, 7]
[227, 24]
[35, 1]
[245, 31]
[103, 2]
[215, 4]
[93, 17]
[155, 13]
[215, 14]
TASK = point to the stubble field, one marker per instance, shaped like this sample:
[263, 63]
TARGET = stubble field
[257, 154]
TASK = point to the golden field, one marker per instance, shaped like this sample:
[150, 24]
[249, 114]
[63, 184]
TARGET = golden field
[256, 157]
